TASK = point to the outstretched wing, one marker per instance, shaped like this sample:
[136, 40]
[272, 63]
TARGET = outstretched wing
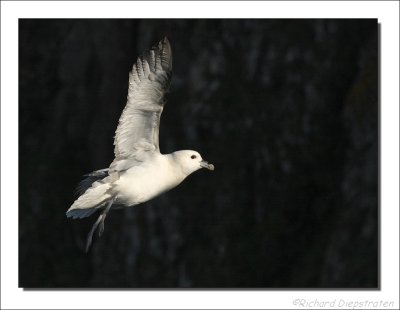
[138, 128]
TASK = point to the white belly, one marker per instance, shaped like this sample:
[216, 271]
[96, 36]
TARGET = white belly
[142, 183]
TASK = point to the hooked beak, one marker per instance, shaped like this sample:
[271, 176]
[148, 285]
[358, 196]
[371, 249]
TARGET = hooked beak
[206, 165]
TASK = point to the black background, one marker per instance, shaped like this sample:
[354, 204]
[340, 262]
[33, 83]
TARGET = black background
[287, 111]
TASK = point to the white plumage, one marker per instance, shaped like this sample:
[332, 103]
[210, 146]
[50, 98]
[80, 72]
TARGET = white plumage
[139, 171]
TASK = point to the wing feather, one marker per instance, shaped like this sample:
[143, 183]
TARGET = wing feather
[138, 127]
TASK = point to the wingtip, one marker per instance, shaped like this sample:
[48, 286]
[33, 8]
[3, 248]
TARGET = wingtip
[165, 47]
[165, 40]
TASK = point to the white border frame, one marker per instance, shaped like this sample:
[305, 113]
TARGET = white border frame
[13, 297]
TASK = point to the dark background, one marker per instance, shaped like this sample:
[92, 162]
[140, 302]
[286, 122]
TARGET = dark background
[287, 110]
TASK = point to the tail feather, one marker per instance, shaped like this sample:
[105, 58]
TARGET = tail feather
[80, 213]
[93, 199]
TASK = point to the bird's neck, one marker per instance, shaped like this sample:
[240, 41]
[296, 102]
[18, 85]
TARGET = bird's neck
[176, 167]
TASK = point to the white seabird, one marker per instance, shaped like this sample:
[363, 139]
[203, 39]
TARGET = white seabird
[139, 171]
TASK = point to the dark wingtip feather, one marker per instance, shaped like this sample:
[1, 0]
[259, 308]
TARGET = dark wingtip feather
[89, 179]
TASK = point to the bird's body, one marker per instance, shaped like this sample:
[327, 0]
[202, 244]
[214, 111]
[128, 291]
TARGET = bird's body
[148, 180]
[139, 171]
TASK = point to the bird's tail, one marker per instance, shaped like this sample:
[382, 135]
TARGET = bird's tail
[93, 199]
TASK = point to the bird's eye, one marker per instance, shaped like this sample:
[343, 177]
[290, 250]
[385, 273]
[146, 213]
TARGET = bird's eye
[193, 156]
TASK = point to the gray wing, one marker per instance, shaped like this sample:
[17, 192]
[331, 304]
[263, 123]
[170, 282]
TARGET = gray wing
[138, 127]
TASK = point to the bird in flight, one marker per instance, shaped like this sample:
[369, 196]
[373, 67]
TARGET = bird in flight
[139, 171]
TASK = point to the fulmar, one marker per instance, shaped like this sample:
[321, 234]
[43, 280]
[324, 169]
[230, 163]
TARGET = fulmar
[139, 171]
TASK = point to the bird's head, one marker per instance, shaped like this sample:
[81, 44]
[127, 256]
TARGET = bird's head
[190, 161]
